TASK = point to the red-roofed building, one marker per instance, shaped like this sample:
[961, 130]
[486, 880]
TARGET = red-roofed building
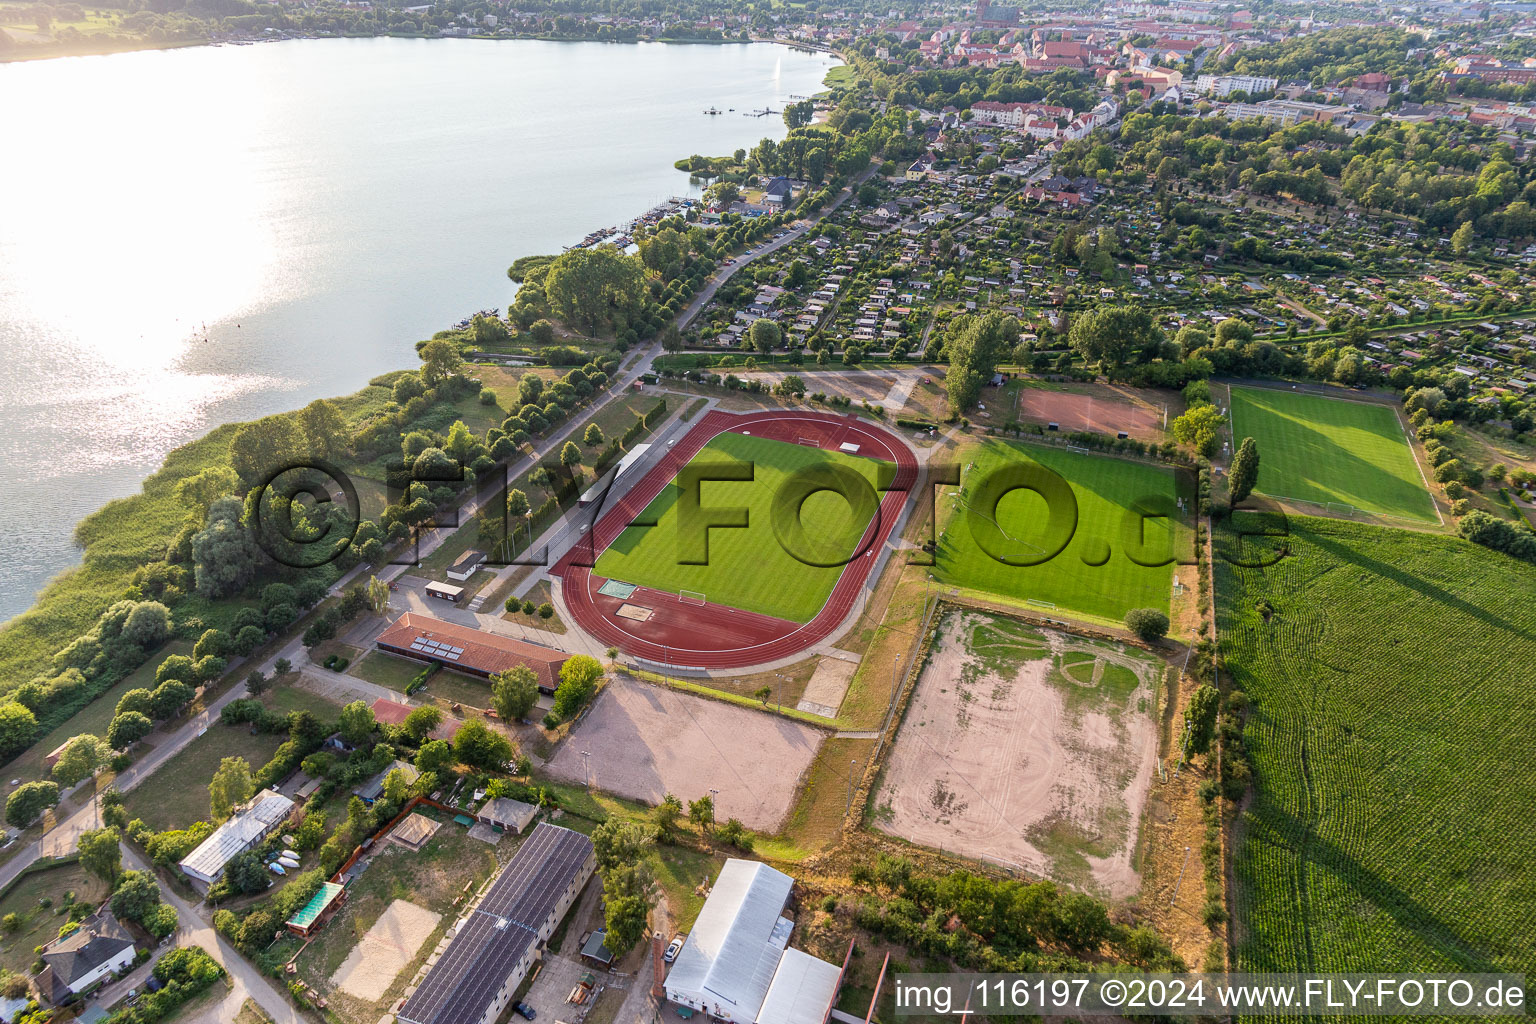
[392, 712]
[423, 638]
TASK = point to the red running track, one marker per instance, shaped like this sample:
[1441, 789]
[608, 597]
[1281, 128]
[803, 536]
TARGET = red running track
[716, 636]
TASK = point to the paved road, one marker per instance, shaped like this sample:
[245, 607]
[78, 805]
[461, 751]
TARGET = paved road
[195, 930]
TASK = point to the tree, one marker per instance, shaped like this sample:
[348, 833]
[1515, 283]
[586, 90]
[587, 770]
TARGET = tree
[136, 895]
[435, 757]
[1149, 624]
[245, 873]
[127, 729]
[397, 786]
[666, 815]
[174, 667]
[261, 447]
[18, 727]
[100, 853]
[628, 895]
[578, 682]
[28, 801]
[79, 759]
[974, 346]
[1111, 335]
[224, 554]
[1463, 238]
[418, 725]
[618, 842]
[324, 429]
[766, 335]
[517, 503]
[514, 692]
[593, 436]
[479, 746]
[1245, 470]
[148, 623]
[231, 786]
[592, 287]
[378, 595]
[1197, 428]
[702, 812]
[356, 723]
[440, 360]
[570, 455]
[213, 642]
[170, 697]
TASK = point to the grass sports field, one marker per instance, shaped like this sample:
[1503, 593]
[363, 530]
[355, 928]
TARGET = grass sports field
[1315, 448]
[1391, 827]
[1092, 574]
[752, 568]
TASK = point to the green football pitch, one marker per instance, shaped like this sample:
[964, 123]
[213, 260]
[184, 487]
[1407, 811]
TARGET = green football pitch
[1100, 565]
[786, 559]
[1328, 450]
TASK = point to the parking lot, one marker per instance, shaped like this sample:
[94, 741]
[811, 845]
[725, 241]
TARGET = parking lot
[559, 975]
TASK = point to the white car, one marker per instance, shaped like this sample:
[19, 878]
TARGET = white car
[672, 950]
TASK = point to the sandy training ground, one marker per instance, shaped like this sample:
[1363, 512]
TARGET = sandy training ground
[1029, 748]
[392, 943]
[1099, 409]
[646, 741]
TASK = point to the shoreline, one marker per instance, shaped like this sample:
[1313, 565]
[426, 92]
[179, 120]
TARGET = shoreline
[48, 51]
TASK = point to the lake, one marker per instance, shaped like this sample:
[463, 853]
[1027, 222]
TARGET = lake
[195, 236]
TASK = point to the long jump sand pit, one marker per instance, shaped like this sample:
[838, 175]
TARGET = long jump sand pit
[1092, 407]
[646, 741]
[384, 951]
[1029, 748]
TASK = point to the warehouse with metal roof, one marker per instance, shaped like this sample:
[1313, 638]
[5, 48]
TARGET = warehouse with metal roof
[736, 964]
[498, 942]
[259, 818]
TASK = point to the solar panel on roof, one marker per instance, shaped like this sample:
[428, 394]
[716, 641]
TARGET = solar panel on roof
[450, 656]
[457, 650]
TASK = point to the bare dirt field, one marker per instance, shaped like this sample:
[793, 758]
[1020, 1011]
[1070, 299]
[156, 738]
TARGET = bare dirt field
[1099, 408]
[384, 950]
[1026, 747]
[824, 693]
[646, 741]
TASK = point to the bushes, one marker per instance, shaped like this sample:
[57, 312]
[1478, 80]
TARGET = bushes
[1489, 530]
[184, 973]
[1149, 624]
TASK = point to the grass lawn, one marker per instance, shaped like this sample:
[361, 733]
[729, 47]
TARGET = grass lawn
[385, 670]
[41, 924]
[539, 595]
[1319, 449]
[284, 699]
[816, 819]
[457, 688]
[750, 568]
[680, 871]
[94, 717]
[1087, 570]
[177, 794]
[1390, 828]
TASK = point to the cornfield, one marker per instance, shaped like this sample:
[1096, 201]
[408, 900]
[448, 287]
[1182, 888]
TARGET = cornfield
[1393, 825]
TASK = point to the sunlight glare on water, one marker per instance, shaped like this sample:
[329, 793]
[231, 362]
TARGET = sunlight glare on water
[195, 236]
